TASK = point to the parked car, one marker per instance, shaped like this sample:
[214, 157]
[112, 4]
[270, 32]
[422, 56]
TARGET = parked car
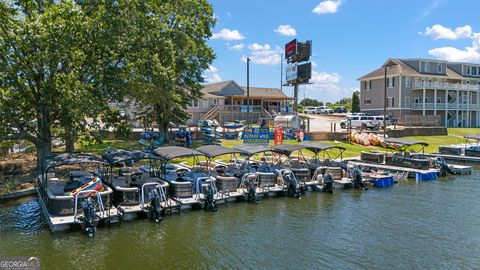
[323, 110]
[310, 110]
[365, 122]
[340, 110]
[379, 120]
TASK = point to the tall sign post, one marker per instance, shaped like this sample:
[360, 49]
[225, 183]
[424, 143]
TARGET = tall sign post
[248, 91]
[296, 71]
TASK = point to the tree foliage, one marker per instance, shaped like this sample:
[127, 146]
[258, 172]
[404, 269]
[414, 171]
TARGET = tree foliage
[356, 102]
[308, 102]
[62, 61]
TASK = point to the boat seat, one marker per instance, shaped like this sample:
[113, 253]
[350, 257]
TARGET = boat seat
[265, 179]
[75, 175]
[302, 174]
[226, 183]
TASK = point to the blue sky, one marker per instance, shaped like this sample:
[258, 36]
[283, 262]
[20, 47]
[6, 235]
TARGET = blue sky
[350, 38]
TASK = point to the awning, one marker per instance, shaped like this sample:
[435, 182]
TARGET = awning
[287, 149]
[70, 159]
[171, 152]
[212, 151]
[251, 149]
[115, 156]
[405, 142]
[472, 137]
[317, 147]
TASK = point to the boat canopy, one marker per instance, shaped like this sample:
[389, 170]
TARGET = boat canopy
[70, 159]
[172, 152]
[317, 147]
[115, 156]
[212, 151]
[251, 149]
[472, 137]
[287, 149]
[405, 142]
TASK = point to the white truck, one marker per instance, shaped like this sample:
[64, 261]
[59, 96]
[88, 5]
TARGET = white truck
[357, 121]
[323, 110]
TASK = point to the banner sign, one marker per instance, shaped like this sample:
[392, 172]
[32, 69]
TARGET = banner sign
[256, 136]
[291, 72]
[278, 135]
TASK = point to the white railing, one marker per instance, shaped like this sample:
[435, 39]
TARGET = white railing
[443, 106]
[448, 86]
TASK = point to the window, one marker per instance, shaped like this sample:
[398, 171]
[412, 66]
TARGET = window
[407, 102]
[439, 100]
[391, 82]
[365, 85]
[370, 84]
[367, 101]
[474, 71]
[416, 100]
[205, 103]
[390, 102]
[426, 66]
[469, 70]
[408, 81]
[439, 68]
[194, 103]
[215, 102]
[426, 100]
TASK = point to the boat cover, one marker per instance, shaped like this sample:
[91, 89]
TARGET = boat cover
[171, 152]
[71, 158]
[405, 142]
[317, 147]
[212, 151]
[473, 137]
[115, 156]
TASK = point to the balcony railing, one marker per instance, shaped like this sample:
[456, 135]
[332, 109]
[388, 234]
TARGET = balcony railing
[446, 86]
[443, 106]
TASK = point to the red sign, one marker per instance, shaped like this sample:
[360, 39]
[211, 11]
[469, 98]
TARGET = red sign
[278, 135]
[290, 49]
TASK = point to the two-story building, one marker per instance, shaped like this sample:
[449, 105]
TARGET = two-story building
[424, 87]
[227, 101]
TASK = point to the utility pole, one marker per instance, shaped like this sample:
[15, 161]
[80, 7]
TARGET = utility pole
[281, 72]
[295, 95]
[385, 103]
[248, 91]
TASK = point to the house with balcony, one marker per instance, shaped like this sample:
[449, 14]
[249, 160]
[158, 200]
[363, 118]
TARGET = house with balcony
[227, 101]
[444, 90]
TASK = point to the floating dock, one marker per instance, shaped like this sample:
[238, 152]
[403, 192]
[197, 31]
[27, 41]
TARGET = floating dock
[456, 158]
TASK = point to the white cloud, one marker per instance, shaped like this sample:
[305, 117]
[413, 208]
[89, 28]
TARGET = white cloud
[325, 87]
[286, 30]
[263, 54]
[211, 75]
[469, 54]
[227, 34]
[236, 47]
[438, 31]
[328, 6]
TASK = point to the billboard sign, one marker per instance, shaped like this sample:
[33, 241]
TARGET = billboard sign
[290, 49]
[259, 136]
[291, 72]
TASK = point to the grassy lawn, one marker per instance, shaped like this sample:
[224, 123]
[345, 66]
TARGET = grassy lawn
[352, 150]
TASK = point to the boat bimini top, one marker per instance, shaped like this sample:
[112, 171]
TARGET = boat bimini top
[405, 144]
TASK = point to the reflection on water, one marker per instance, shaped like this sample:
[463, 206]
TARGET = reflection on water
[412, 225]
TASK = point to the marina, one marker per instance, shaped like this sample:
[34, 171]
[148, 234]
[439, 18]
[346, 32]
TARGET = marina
[388, 224]
[125, 185]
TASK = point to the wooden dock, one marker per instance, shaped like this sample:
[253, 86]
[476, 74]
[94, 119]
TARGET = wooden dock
[390, 167]
[460, 159]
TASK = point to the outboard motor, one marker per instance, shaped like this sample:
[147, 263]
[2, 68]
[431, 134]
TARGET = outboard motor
[251, 192]
[358, 179]
[89, 216]
[210, 202]
[442, 165]
[155, 208]
[328, 183]
[291, 180]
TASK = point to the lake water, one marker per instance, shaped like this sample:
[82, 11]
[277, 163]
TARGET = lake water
[434, 225]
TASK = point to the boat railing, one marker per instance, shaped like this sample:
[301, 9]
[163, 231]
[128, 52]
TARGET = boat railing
[99, 202]
[161, 191]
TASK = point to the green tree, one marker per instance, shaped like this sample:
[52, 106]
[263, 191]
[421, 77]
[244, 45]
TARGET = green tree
[356, 102]
[307, 102]
[170, 55]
